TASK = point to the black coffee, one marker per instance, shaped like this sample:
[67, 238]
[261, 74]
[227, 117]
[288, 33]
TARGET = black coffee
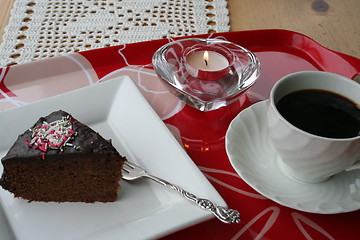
[321, 113]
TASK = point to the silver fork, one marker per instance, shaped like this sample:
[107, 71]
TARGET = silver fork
[132, 172]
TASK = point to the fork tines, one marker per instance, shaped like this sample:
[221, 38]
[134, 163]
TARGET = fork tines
[128, 166]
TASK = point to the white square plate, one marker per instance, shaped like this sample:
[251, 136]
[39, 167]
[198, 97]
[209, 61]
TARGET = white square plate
[144, 209]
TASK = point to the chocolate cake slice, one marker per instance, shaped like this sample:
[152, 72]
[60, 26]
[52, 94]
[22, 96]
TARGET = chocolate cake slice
[60, 159]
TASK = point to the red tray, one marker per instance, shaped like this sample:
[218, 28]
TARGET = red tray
[202, 134]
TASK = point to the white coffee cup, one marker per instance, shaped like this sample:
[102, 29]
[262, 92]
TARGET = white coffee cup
[304, 156]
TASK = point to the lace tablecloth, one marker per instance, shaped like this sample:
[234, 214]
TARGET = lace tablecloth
[40, 29]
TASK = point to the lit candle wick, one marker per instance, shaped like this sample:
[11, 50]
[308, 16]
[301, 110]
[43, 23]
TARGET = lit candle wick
[206, 57]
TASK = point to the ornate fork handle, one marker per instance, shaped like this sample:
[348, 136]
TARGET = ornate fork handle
[224, 214]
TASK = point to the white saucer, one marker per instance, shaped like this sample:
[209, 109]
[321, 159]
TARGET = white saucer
[253, 157]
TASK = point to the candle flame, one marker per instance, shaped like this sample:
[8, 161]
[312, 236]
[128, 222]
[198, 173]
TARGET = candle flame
[206, 57]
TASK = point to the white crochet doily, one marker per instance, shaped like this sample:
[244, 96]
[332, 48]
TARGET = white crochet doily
[40, 29]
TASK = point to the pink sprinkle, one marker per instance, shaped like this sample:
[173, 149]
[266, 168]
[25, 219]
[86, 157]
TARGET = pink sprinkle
[27, 142]
[43, 156]
[42, 148]
[62, 142]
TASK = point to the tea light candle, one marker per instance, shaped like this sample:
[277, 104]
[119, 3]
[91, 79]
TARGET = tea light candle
[208, 61]
[207, 64]
[206, 74]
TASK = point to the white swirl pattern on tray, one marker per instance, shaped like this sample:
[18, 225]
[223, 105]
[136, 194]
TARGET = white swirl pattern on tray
[301, 221]
[145, 78]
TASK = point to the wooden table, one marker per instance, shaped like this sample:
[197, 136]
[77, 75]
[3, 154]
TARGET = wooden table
[334, 24]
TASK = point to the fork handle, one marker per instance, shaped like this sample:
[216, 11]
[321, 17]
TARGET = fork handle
[224, 214]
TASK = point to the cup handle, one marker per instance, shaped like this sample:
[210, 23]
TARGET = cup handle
[355, 166]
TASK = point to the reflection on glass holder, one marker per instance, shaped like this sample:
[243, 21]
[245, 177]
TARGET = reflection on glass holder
[206, 73]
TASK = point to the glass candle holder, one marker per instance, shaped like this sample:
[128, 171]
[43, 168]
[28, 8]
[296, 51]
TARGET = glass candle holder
[206, 73]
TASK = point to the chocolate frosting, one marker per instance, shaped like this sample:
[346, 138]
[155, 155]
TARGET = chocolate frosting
[86, 141]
